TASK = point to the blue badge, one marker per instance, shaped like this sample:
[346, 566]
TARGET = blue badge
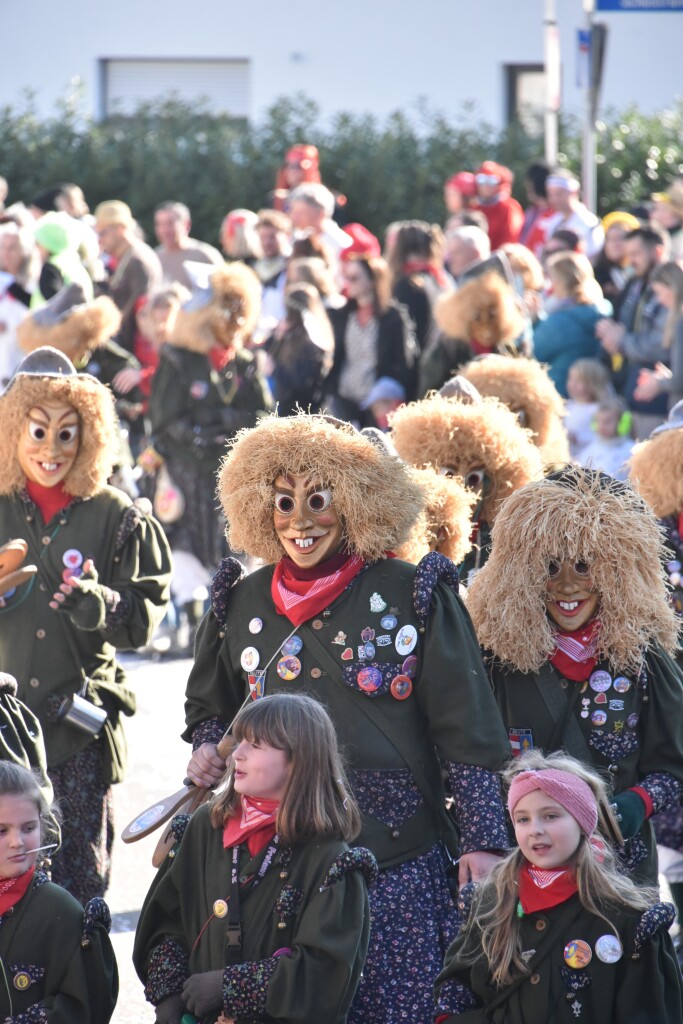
[388, 622]
[199, 389]
[292, 645]
[369, 650]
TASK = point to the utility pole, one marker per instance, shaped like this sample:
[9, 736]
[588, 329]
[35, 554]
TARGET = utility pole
[551, 49]
[588, 167]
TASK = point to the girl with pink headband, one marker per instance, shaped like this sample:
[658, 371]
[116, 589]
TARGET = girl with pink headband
[556, 932]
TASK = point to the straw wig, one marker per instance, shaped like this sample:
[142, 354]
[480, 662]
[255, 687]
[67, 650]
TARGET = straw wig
[483, 310]
[656, 472]
[223, 314]
[525, 387]
[577, 515]
[99, 443]
[373, 493]
[445, 433]
[445, 524]
[86, 327]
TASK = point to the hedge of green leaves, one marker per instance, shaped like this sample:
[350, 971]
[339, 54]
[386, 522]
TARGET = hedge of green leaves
[389, 169]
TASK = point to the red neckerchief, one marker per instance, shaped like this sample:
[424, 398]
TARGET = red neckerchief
[253, 824]
[424, 267]
[50, 500]
[575, 659]
[299, 594]
[12, 889]
[478, 349]
[220, 357]
[680, 523]
[540, 889]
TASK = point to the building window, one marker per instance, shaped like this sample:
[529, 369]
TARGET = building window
[222, 83]
[525, 96]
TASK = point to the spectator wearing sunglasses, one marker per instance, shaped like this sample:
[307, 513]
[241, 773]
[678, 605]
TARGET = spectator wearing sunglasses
[504, 214]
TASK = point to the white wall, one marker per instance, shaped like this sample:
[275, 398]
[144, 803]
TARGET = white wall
[359, 55]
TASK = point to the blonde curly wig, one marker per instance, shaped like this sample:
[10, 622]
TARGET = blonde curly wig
[484, 310]
[656, 472]
[374, 495]
[228, 318]
[577, 515]
[87, 327]
[98, 446]
[443, 432]
[525, 387]
[448, 507]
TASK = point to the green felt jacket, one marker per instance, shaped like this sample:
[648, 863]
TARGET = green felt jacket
[49, 656]
[59, 963]
[449, 717]
[633, 731]
[642, 987]
[311, 908]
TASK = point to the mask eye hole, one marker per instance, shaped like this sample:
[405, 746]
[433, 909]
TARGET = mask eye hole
[68, 434]
[284, 503]
[36, 431]
[475, 479]
[553, 570]
[446, 471]
[320, 500]
[582, 568]
[521, 417]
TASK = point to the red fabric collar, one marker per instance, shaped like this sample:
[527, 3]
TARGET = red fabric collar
[575, 658]
[299, 594]
[50, 500]
[253, 824]
[12, 889]
[424, 267]
[680, 523]
[220, 357]
[540, 890]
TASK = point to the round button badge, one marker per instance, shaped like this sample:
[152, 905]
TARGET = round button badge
[599, 717]
[409, 666]
[600, 681]
[609, 949]
[401, 687]
[292, 645]
[369, 679]
[249, 659]
[288, 668]
[622, 684]
[406, 639]
[577, 953]
[388, 622]
[255, 625]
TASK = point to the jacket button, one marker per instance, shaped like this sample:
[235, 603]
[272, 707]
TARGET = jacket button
[535, 978]
[316, 673]
[45, 540]
[564, 684]
[40, 633]
[541, 925]
[34, 683]
[613, 768]
[395, 834]
[317, 623]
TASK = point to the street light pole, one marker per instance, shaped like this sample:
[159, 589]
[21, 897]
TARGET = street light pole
[588, 170]
[551, 46]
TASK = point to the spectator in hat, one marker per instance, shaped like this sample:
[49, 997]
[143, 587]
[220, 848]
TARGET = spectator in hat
[562, 188]
[239, 237]
[137, 270]
[386, 396]
[57, 238]
[503, 213]
[459, 191]
[539, 211]
[610, 265]
[172, 224]
[667, 213]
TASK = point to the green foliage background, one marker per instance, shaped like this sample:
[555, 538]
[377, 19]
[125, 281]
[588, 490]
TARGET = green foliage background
[389, 169]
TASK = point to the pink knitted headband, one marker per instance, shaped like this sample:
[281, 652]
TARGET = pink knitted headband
[566, 789]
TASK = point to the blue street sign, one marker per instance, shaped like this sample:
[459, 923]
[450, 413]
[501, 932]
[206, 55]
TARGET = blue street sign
[639, 5]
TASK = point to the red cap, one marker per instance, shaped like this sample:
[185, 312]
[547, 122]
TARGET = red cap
[363, 243]
[304, 155]
[464, 182]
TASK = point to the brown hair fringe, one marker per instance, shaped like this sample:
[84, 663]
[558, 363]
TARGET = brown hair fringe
[443, 432]
[228, 318]
[373, 493]
[98, 446]
[588, 517]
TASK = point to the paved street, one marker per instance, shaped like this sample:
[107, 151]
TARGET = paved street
[157, 765]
